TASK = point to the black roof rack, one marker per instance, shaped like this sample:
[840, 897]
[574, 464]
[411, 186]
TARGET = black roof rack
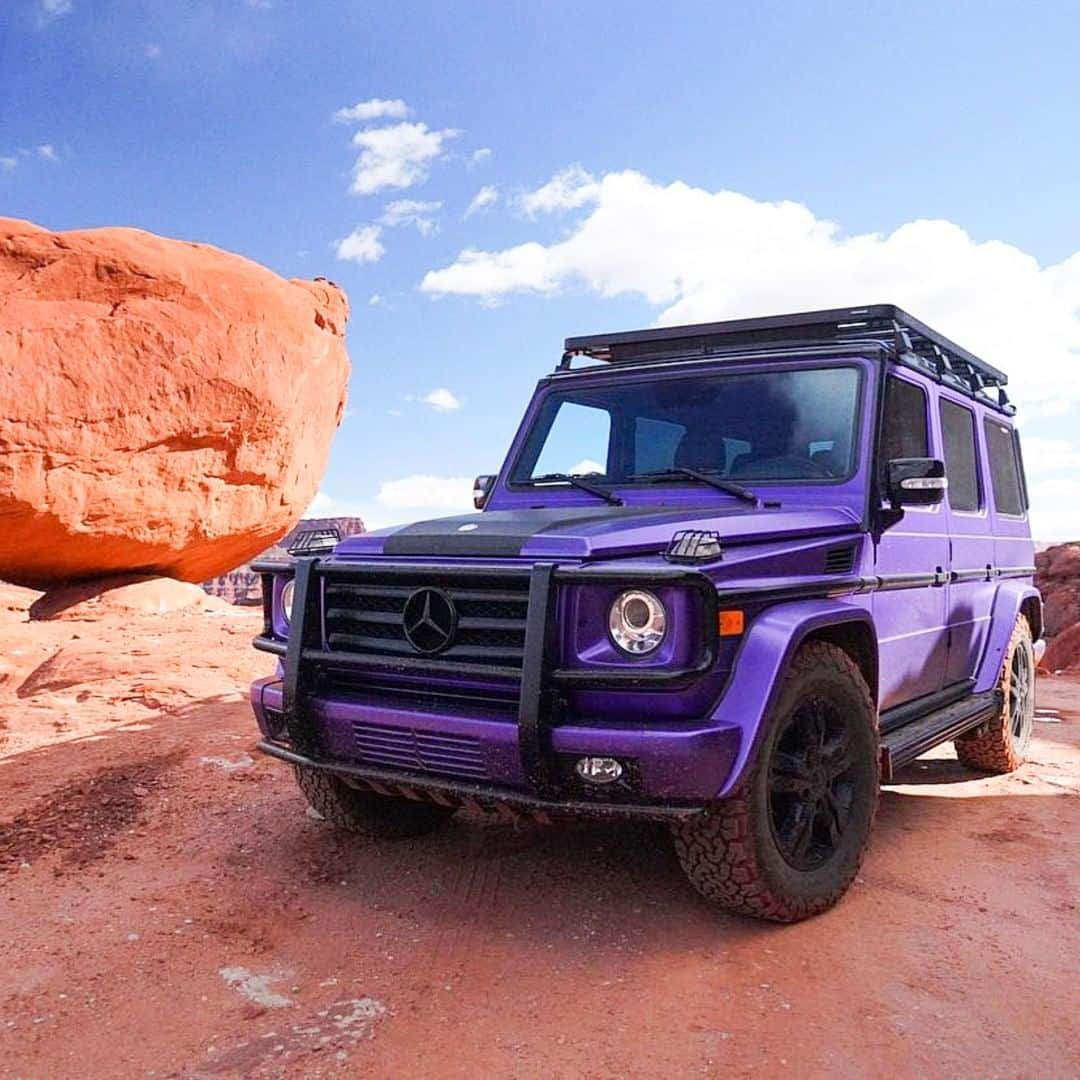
[884, 326]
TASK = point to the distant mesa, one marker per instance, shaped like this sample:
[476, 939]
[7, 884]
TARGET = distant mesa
[243, 585]
[168, 407]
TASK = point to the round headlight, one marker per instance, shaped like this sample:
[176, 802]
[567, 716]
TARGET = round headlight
[637, 622]
[286, 599]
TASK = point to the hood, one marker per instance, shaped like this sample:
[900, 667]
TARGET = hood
[582, 533]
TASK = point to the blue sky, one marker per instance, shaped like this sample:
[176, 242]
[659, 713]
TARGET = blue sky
[646, 162]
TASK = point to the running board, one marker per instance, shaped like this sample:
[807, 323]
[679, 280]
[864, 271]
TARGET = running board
[905, 744]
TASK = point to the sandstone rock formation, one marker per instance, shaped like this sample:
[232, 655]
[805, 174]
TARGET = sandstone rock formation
[1063, 651]
[244, 586]
[1057, 574]
[167, 407]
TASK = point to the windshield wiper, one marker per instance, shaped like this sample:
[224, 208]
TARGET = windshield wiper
[703, 477]
[579, 482]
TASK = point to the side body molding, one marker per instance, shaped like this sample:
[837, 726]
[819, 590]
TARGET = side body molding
[1008, 600]
[770, 643]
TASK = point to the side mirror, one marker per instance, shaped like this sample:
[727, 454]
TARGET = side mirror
[482, 486]
[916, 482]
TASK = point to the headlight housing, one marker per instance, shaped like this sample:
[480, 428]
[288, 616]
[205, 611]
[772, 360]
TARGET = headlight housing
[286, 599]
[637, 622]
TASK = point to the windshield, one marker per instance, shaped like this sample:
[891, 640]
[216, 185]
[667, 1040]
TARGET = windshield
[780, 425]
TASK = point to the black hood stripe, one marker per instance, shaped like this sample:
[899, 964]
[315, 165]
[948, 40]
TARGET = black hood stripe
[504, 533]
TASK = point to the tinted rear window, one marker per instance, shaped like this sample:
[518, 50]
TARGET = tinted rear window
[961, 460]
[1005, 475]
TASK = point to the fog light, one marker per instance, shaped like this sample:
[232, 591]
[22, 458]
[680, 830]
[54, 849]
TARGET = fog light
[598, 770]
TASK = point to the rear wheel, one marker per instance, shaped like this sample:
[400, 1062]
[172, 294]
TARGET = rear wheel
[1000, 745]
[790, 842]
[365, 812]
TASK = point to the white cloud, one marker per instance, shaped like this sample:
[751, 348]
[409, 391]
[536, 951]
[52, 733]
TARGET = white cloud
[586, 466]
[260, 5]
[1054, 507]
[436, 494]
[321, 506]
[483, 154]
[47, 151]
[1053, 471]
[398, 502]
[412, 212]
[152, 51]
[701, 256]
[8, 163]
[487, 196]
[441, 400]
[372, 109]
[49, 10]
[375, 300]
[566, 190]
[398, 156]
[362, 245]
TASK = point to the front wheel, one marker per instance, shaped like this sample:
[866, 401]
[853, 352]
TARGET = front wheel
[358, 811]
[1000, 745]
[789, 843]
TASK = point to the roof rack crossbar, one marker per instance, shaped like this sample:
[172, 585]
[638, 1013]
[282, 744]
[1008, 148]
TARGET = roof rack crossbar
[883, 325]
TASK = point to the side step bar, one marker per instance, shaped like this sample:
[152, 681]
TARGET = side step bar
[905, 744]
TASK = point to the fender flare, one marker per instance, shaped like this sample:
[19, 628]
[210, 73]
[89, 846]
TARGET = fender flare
[769, 645]
[1009, 599]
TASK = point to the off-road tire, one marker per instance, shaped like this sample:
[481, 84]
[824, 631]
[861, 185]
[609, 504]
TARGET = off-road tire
[731, 853]
[993, 747]
[363, 812]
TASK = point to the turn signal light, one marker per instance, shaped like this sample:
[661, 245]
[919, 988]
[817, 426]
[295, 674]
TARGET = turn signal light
[731, 623]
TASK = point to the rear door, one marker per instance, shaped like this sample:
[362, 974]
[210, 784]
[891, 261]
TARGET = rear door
[910, 609]
[971, 538]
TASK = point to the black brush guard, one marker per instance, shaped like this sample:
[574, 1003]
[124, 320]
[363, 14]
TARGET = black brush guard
[541, 682]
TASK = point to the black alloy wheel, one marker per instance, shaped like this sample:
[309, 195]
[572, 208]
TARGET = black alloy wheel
[811, 784]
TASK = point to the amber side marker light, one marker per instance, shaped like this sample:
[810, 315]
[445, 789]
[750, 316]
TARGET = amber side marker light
[730, 623]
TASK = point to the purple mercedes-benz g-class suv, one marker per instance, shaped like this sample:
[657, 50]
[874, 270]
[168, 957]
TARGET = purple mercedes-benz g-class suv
[731, 577]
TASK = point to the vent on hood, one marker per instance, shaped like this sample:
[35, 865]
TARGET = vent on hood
[840, 560]
[693, 545]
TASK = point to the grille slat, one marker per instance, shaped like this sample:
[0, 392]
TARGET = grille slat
[467, 622]
[408, 748]
[390, 617]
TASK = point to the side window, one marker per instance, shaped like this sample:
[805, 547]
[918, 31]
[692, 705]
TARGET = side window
[578, 441]
[904, 432]
[961, 456]
[1006, 473]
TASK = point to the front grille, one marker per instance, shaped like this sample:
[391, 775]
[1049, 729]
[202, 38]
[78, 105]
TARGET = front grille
[366, 617]
[419, 751]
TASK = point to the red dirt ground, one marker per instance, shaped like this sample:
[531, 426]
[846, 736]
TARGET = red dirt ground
[170, 909]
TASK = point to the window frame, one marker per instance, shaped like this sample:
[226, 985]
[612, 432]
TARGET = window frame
[982, 502]
[883, 460]
[856, 364]
[1018, 462]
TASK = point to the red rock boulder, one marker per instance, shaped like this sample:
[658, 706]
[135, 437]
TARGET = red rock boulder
[1057, 574]
[165, 407]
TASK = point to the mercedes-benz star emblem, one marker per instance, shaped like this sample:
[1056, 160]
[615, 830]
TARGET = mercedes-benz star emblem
[429, 620]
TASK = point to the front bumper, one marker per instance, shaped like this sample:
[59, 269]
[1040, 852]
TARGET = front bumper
[506, 803]
[678, 762]
[524, 750]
